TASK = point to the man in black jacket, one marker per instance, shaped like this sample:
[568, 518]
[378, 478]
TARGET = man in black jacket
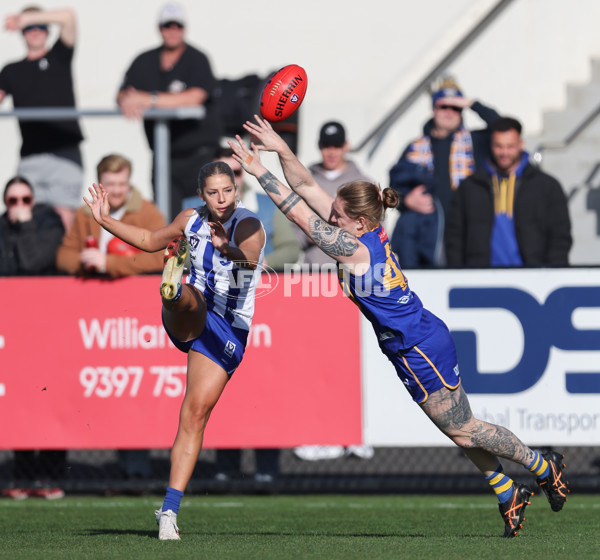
[508, 213]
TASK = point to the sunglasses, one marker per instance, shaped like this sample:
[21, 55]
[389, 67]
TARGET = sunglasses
[450, 107]
[171, 25]
[38, 26]
[14, 200]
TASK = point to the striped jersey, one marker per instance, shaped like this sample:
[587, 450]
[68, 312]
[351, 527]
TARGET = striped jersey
[398, 317]
[227, 287]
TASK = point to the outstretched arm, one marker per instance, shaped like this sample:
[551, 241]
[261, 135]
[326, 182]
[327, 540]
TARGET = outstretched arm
[64, 18]
[336, 242]
[142, 238]
[297, 176]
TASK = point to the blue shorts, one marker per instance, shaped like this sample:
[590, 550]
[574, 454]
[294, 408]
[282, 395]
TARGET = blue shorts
[429, 365]
[219, 341]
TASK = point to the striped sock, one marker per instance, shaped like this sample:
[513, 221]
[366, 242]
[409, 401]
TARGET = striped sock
[501, 484]
[539, 466]
[172, 500]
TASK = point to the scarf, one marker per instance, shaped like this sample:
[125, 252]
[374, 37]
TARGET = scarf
[462, 162]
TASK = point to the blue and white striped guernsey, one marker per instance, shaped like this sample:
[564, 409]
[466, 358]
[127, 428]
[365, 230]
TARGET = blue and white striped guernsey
[227, 288]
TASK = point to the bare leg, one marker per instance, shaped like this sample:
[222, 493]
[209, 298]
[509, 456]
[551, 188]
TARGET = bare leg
[185, 318]
[451, 412]
[205, 383]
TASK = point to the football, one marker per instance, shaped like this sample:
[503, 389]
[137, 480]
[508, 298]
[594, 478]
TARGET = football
[283, 93]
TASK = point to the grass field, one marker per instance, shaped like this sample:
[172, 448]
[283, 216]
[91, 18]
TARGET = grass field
[289, 527]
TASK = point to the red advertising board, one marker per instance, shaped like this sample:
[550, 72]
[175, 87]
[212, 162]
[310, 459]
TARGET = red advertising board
[87, 364]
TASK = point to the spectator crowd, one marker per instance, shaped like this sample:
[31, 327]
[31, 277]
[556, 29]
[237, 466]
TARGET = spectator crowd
[468, 198]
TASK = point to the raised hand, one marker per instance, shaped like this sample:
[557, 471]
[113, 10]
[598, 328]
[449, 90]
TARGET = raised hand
[460, 102]
[218, 235]
[99, 203]
[12, 22]
[263, 133]
[248, 158]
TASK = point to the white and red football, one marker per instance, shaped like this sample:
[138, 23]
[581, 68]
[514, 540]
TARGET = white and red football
[283, 93]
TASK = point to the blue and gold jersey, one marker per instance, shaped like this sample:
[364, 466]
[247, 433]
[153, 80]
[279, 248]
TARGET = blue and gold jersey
[398, 317]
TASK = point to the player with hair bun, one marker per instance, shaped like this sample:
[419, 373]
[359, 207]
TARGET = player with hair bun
[348, 228]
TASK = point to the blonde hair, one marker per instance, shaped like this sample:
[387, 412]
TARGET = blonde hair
[113, 163]
[367, 200]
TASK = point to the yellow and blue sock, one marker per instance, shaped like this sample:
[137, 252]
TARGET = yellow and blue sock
[501, 484]
[172, 500]
[539, 466]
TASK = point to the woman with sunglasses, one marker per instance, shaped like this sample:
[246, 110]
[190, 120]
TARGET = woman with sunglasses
[30, 233]
[349, 229]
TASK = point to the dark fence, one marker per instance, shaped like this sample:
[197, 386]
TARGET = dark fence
[390, 470]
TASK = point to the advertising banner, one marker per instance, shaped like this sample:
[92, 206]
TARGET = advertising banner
[87, 364]
[528, 344]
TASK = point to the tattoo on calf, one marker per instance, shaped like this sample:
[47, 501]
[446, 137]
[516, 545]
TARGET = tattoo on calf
[335, 241]
[268, 181]
[457, 416]
[499, 441]
[288, 203]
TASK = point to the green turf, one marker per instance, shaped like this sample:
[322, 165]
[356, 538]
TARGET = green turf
[288, 527]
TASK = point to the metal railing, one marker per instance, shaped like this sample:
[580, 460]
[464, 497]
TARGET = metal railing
[162, 137]
[380, 130]
[538, 154]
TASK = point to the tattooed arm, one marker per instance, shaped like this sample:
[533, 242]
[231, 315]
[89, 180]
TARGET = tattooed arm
[296, 175]
[336, 242]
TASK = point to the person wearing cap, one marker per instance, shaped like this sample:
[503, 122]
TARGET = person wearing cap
[331, 172]
[430, 170]
[175, 74]
[50, 153]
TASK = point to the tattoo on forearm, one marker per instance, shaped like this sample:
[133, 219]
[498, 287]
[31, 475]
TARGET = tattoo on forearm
[288, 203]
[299, 184]
[268, 181]
[335, 241]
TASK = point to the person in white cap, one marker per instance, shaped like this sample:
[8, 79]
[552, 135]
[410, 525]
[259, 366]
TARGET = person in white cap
[172, 75]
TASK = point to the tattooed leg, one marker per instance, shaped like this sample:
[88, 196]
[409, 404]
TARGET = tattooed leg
[451, 412]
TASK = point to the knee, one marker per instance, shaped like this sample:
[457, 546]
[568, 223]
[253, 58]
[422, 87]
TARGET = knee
[195, 415]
